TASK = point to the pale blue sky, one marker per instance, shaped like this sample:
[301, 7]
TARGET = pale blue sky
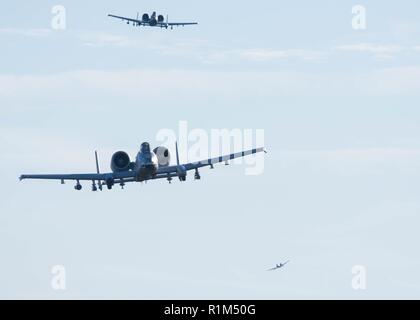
[342, 125]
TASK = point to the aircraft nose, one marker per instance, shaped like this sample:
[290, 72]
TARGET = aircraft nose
[149, 166]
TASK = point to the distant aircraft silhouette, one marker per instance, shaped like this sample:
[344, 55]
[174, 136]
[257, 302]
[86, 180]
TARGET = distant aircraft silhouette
[279, 266]
[152, 21]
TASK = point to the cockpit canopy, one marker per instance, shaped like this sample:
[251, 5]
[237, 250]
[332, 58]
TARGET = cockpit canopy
[145, 147]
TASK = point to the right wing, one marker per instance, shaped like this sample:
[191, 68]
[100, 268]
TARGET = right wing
[177, 24]
[284, 264]
[211, 162]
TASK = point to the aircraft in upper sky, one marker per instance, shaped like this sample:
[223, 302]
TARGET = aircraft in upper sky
[148, 165]
[152, 21]
[279, 266]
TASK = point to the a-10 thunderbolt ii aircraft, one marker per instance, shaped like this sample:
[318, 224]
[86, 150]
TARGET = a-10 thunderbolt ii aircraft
[152, 21]
[148, 165]
[279, 266]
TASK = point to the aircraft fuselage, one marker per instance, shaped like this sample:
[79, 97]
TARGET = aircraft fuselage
[146, 163]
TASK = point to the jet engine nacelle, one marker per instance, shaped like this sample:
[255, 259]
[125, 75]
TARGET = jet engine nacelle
[145, 17]
[163, 155]
[120, 162]
[161, 18]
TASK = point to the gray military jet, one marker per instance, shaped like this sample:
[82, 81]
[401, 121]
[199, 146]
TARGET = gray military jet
[148, 165]
[152, 21]
[279, 266]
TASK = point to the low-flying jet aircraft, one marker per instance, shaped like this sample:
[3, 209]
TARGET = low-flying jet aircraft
[148, 165]
[279, 266]
[152, 21]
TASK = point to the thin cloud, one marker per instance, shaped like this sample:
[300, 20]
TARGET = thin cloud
[94, 39]
[378, 51]
[212, 53]
[341, 159]
[106, 39]
[281, 54]
[152, 83]
[30, 32]
[363, 154]
[262, 55]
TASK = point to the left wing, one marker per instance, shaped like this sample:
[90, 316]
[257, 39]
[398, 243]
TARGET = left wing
[126, 19]
[272, 269]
